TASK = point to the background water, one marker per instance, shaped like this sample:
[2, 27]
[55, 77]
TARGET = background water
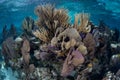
[14, 11]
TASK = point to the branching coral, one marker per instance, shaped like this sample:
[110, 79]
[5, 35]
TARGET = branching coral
[50, 19]
[42, 34]
[9, 32]
[12, 31]
[83, 26]
[27, 26]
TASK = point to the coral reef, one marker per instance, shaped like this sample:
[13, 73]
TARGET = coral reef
[27, 26]
[49, 20]
[8, 49]
[74, 58]
[84, 25]
[25, 51]
[89, 43]
[53, 49]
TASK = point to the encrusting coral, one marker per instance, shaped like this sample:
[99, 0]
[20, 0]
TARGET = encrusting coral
[65, 41]
[83, 49]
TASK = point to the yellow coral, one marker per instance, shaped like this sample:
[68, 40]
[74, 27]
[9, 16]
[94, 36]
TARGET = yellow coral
[50, 19]
[82, 49]
[84, 19]
[41, 34]
[90, 65]
[28, 24]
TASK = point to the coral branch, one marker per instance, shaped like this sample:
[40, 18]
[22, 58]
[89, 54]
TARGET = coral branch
[84, 20]
[50, 19]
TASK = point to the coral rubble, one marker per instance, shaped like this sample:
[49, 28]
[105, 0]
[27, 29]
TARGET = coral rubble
[51, 48]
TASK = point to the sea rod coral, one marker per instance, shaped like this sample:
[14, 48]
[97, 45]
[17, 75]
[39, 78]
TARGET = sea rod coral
[49, 20]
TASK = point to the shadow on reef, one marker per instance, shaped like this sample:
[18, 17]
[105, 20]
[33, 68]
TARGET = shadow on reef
[53, 49]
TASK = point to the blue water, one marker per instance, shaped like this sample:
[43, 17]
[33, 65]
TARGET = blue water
[14, 11]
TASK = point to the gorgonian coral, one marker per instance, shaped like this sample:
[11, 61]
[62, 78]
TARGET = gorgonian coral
[8, 49]
[61, 49]
[8, 32]
[82, 22]
[90, 43]
[27, 26]
[49, 20]
[74, 58]
[25, 51]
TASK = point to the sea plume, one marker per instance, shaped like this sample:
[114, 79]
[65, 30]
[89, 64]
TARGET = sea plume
[83, 26]
[27, 26]
[50, 19]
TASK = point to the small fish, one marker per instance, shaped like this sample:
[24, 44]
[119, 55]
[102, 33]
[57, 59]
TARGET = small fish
[113, 45]
[18, 39]
[37, 42]
[32, 38]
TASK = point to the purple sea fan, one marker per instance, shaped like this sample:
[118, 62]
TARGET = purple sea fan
[77, 58]
[25, 51]
[67, 69]
[74, 58]
[8, 50]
